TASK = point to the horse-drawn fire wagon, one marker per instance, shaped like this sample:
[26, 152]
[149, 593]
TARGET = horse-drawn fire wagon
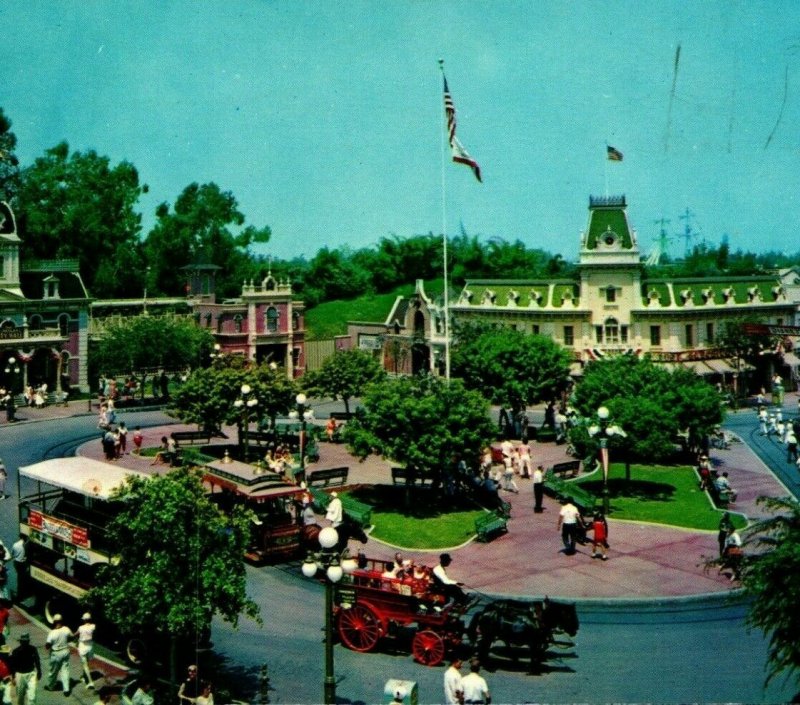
[372, 606]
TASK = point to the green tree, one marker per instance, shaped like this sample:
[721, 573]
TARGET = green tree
[208, 396]
[344, 375]
[144, 343]
[80, 206]
[179, 561]
[652, 405]
[769, 570]
[743, 349]
[204, 227]
[9, 164]
[420, 422]
[508, 366]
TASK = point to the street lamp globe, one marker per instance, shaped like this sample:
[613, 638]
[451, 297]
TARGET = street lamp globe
[328, 537]
[301, 398]
[349, 565]
[309, 568]
[245, 389]
[603, 413]
[335, 573]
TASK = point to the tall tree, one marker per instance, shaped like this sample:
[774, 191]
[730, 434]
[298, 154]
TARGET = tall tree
[204, 227]
[180, 562]
[344, 375]
[80, 206]
[140, 345]
[650, 403]
[421, 422]
[208, 396]
[508, 366]
[768, 575]
[9, 164]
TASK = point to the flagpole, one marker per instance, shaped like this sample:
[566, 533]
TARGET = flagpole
[606, 169]
[444, 245]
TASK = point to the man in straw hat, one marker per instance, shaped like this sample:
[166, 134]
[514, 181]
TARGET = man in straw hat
[57, 644]
[85, 636]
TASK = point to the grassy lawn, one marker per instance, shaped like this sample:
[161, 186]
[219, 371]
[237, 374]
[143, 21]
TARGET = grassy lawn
[662, 494]
[423, 525]
[656, 493]
[330, 318]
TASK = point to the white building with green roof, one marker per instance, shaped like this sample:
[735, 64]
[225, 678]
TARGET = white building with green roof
[611, 307]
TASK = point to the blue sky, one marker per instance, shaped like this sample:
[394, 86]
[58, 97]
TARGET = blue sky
[324, 119]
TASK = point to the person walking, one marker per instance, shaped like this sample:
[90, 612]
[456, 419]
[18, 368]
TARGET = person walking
[190, 688]
[85, 636]
[791, 444]
[569, 519]
[600, 537]
[57, 643]
[3, 479]
[725, 527]
[538, 489]
[476, 689]
[453, 689]
[27, 670]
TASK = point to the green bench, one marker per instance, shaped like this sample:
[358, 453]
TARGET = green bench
[327, 477]
[359, 512]
[584, 500]
[489, 524]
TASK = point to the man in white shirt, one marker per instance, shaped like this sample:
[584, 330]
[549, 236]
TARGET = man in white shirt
[57, 644]
[476, 690]
[538, 489]
[453, 690]
[335, 512]
[568, 521]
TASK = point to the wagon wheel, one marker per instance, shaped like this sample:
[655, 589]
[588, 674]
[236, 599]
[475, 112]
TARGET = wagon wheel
[359, 628]
[427, 648]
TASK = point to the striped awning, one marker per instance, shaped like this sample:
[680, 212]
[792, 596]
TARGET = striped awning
[719, 366]
[698, 367]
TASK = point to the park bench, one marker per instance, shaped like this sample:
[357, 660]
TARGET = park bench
[192, 436]
[569, 467]
[359, 512]
[489, 524]
[556, 487]
[719, 498]
[328, 477]
[401, 476]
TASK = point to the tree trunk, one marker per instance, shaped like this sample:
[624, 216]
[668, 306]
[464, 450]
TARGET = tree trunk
[173, 666]
[346, 401]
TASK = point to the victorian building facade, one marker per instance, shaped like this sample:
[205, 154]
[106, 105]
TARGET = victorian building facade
[610, 308]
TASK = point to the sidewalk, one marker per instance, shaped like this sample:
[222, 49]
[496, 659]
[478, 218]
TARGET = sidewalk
[646, 561]
[103, 671]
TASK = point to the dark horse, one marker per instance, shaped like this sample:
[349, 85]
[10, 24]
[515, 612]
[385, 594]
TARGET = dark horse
[518, 623]
[348, 529]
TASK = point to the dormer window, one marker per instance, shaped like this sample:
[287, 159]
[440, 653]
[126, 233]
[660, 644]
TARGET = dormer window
[611, 294]
[50, 287]
[272, 320]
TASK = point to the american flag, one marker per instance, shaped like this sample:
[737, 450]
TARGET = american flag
[614, 154]
[460, 154]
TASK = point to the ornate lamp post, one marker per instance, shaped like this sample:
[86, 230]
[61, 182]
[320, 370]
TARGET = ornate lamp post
[246, 403]
[12, 367]
[304, 414]
[335, 565]
[605, 430]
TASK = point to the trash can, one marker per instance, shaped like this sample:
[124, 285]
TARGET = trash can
[400, 691]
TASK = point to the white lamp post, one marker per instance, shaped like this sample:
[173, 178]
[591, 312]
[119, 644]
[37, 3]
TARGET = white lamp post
[605, 430]
[335, 566]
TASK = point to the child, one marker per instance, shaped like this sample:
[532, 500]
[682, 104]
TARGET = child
[600, 538]
[137, 440]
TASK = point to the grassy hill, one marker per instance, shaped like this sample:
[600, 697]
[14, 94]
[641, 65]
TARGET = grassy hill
[330, 318]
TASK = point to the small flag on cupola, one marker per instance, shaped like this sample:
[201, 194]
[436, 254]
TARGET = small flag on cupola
[614, 154]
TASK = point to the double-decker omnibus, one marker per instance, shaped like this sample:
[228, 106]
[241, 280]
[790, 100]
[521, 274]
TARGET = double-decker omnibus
[65, 506]
[275, 531]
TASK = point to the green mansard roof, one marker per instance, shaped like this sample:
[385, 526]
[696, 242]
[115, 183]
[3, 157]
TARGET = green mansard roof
[608, 214]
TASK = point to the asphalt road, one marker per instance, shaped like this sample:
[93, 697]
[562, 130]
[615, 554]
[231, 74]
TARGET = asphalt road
[680, 653]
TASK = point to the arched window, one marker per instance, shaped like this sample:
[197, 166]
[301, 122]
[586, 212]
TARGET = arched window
[208, 319]
[295, 320]
[611, 331]
[272, 320]
[35, 322]
[237, 323]
[419, 323]
[63, 324]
